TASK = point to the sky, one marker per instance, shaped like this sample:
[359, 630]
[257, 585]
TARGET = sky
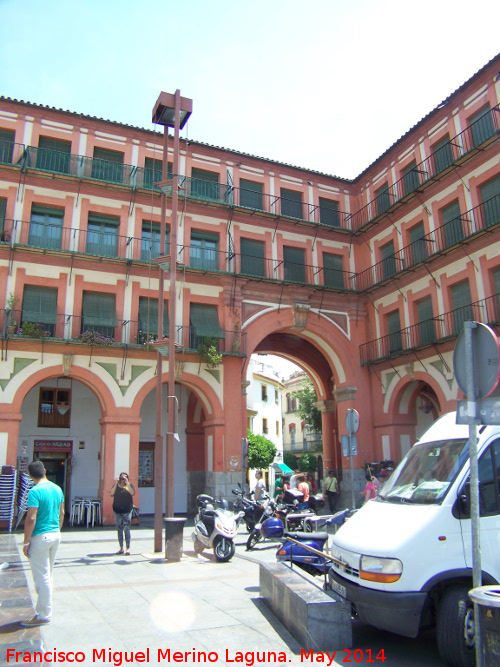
[327, 85]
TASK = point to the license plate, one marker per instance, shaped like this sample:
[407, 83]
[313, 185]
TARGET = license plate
[338, 588]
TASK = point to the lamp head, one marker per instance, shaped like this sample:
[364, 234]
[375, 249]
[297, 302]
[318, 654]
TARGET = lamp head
[164, 110]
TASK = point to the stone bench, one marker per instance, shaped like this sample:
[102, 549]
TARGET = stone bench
[318, 621]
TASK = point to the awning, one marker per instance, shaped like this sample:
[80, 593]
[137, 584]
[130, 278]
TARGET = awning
[283, 468]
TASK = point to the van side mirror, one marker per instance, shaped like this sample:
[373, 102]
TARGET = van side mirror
[463, 502]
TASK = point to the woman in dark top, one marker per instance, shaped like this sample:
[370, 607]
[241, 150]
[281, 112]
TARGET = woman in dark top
[122, 494]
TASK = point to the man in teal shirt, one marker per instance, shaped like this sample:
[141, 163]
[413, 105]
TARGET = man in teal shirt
[42, 535]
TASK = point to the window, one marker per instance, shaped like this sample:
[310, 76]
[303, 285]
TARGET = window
[452, 224]
[107, 165]
[263, 392]
[294, 264]
[329, 212]
[291, 203]
[461, 304]
[291, 403]
[146, 470]
[383, 199]
[204, 251]
[99, 313]
[264, 425]
[292, 435]
[204, 323]
[496, 283]
[53, 155]
[489, 483]
[4, 234]
[388, 260]
[153, 172]
[394, 329]
[276, 396]
[490, 196]
[102, 236]
[443, 154]
[40, 307]
[251, 194]
[277, 428]
[418, 244]
[45, 228]
[481, 126]
[148, 319]
[332, 271]
[54, 407]
[426, 324]
[253, 262]
[150, 241]
[7, 139]
[204, 184]
[410, 178]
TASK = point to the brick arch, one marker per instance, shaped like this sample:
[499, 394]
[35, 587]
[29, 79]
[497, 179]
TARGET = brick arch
[402, 386]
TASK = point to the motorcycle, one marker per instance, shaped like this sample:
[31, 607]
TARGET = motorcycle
[270, 513]
[252, 510]
[215, 528]
[300, 555]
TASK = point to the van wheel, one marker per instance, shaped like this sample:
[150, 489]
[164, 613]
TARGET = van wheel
[455, 628]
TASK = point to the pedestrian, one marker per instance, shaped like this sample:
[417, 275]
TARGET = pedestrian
[260, 487]
[293, 479]
[303, 487]
[123, 503]
[331, 490]
[286, 487]
[370, 490]
[42, 535]
[312, 484]
[278, 486]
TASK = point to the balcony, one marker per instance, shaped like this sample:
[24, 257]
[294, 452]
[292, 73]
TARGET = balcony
[68, 328]
[480, 219]
[430, 332]
[458, 149]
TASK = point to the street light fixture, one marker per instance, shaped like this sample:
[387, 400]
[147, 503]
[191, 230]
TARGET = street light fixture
[169, 111]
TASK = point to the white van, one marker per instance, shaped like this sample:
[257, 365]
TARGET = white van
[407, 554]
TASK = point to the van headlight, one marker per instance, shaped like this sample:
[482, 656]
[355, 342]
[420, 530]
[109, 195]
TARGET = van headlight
[382, 570]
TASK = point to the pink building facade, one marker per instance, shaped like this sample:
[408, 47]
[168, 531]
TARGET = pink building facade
[364, 283]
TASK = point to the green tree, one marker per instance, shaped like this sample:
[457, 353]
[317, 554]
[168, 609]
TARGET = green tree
[290, 460]
[261, 451]
[308, 463]
[307, 411]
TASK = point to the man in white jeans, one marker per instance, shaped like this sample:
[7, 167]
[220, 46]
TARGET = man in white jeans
[42, 535]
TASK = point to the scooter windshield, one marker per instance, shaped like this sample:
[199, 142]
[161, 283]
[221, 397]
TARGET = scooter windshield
[426, 473]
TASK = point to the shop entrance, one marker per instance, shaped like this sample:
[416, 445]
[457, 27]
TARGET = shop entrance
[57, 464]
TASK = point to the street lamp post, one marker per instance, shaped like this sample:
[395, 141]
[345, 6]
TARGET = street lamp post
[169, 111]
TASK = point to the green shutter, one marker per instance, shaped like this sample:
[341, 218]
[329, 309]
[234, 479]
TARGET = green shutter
[3, 208]
[394, 329]
[410, 178]
[496, 279]
[443, 155]
[490, 196]
[388, 260]
[7, 139]
[333, 274]
[291, 203]
[329, 212]
[452, 224]
[461, 304]
[426, 323]
[99, 310]
[481, 126]
[251, 194]
[418, 245]
[205, 321]
[252, 258]
[148, 316]
[294, 260]
[110, 156]
[383, 199]
[39, 305]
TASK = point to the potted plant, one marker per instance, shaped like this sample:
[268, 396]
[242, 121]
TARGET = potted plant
[208, 352]
[10, 305]
[95, 338]
[33, 330]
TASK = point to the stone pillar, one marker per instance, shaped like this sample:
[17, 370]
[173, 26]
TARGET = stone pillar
[119, 453]
[329, 434]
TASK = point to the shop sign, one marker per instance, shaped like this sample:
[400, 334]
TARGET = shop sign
[52, 445]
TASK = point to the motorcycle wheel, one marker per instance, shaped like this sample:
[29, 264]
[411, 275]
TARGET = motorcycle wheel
[250, 527]
[224, 549]
[255, 537]
[198, 546]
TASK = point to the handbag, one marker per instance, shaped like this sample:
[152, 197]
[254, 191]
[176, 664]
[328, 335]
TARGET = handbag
[135, 512]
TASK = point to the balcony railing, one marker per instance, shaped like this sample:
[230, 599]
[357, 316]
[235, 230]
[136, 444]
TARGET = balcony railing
[430, 331]
[12, 153]
[460, 229]
[126, 332]
[426, 172]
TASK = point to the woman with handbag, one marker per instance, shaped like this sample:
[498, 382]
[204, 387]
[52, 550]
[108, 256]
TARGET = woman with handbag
[123, 503]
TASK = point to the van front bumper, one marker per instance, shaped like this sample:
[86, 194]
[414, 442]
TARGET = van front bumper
[395, 612]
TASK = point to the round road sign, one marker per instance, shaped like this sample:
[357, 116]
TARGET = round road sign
[486, 353]
[352, 421]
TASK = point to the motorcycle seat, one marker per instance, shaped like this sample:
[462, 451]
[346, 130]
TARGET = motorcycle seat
[301, 536]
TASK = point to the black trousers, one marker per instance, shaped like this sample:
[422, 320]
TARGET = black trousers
[332, 501]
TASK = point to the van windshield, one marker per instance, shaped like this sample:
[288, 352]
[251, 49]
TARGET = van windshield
[426, 473]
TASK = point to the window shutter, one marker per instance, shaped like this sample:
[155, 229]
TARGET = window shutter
[252, 257]
[55, 145]
[410, 178]
[294, 259]
[148, 316]
[388, 260]
[251, 194]
[39, 305]
[7, 139]
[333, 275]
[481, 125]
[394, 329]
[452, 224]
[418, 244]
[329, 212]
[110, 156]
[443, 155]
[205, 321]
[291, 203]
[462, 305]
[490, 196]
[99, 310]
[426, 322]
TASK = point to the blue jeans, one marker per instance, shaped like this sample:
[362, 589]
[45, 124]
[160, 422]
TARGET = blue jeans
[123, 525]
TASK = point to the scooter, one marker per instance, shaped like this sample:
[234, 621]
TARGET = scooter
[269, 512]
[215, 528]
[301, 555]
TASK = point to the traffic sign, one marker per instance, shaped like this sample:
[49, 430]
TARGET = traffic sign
[345, 445]
[486, 354]
[352, 421]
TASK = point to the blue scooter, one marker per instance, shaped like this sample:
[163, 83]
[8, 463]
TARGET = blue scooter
[313, 562]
